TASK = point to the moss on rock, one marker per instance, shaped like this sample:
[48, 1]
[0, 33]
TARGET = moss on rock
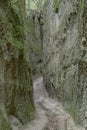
[4, 123]
[18, 87]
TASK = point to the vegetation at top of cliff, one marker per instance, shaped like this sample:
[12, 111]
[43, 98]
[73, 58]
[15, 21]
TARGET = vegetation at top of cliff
[12, 24]
[56, 5]
[35, 4]
[18, 24]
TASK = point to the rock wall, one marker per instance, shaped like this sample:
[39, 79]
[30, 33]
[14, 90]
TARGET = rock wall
[16, 93]
[35, 38]
[64, 47]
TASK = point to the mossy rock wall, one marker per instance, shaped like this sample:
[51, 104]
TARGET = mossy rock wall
[15, 71]
[4, 123]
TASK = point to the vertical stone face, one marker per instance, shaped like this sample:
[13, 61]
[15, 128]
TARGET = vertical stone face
[16, 92]
[83, 67]
[65, 56]
[4, 123]
[35, 37]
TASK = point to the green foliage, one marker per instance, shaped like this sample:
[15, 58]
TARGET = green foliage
[45, 3]
[13, 26]
[81, 4]
[18, 44]
[35, 4]
[15, 4]
[17, 26]
[56, 4]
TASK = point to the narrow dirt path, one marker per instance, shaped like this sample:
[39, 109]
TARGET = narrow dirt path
[40, 122]
[50, 114]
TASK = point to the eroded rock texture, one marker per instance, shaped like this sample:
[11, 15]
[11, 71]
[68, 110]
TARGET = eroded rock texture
[16, 94]
[35, 38]
[65, 57]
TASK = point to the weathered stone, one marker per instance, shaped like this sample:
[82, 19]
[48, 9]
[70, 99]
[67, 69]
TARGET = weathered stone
[35, 39]
[64, 45]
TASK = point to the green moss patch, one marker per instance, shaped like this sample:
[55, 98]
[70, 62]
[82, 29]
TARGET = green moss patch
[4, 124]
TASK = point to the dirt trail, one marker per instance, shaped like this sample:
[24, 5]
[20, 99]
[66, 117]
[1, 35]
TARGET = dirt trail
[40, 122]
[50, 115]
